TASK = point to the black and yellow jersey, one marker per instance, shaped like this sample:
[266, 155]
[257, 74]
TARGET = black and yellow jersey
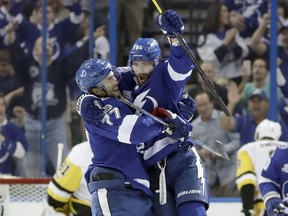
[67, 191]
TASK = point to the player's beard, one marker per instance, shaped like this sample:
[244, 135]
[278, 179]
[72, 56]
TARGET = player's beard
[142, 78]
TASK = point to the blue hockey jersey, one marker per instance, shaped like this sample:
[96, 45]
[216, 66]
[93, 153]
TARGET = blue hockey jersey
[113, 141]
[274, 176]
[164, 89]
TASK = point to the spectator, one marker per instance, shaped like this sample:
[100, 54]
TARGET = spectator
[68, 189]
[12, 141]
[261, 47]
[220, 172]
[130, 18]
[283, 109]
[59, 11]
[210, 72]
[245, 14]
[58, 75]
[260, 73]
[258, 105]
[221, 44]
[251, 160]
[8, 79]
[61, 32]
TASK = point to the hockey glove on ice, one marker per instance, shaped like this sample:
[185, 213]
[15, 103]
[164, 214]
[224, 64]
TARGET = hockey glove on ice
[170, 22]
[275, 206]
[179, 128]
[90, 108]
[187, 107]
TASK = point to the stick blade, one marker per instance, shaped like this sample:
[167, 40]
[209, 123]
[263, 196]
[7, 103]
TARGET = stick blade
[221, 149]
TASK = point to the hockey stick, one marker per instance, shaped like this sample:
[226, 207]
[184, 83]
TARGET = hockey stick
[193, 59]
[217, 149]
[60, 147]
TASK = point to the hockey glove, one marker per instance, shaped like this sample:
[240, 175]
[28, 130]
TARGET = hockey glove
[275, 206]
[187, 107]
[179, 128]
[170, 22]
[90, 108]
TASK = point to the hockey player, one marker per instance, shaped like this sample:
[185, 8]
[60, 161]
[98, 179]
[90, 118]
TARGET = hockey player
[274, 183]
[117, 179]
[251, 160]
[152, 83]
[161, 83]
[67, 191]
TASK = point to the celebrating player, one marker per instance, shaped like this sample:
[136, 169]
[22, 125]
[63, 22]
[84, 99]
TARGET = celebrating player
[150, 83]
[117, 178]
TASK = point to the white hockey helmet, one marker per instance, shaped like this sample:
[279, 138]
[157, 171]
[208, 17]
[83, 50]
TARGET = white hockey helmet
[268, 129]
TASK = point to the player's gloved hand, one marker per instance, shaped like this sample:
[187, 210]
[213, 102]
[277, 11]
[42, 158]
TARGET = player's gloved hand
[179, 128]
[170, 22]
[275, 206]
[187, 107]
[90, 108]
[247, 212]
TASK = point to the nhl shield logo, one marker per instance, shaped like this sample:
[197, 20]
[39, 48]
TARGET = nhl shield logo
[127, 95]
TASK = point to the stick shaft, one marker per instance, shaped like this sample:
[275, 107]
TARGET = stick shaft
[60, 147]
[193, 59]
[128, 103]
[195, 141]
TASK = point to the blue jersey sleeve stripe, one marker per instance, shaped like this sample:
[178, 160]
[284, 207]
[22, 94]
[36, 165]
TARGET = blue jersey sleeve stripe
[126, 127]
[144, 182]
[157, 147]
[177, 76]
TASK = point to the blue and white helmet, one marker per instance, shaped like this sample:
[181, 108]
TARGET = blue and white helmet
[91, 72]
[145, 49]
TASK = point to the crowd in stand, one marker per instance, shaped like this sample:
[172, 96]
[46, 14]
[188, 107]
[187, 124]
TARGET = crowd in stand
[233, 50]
[21, 70]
